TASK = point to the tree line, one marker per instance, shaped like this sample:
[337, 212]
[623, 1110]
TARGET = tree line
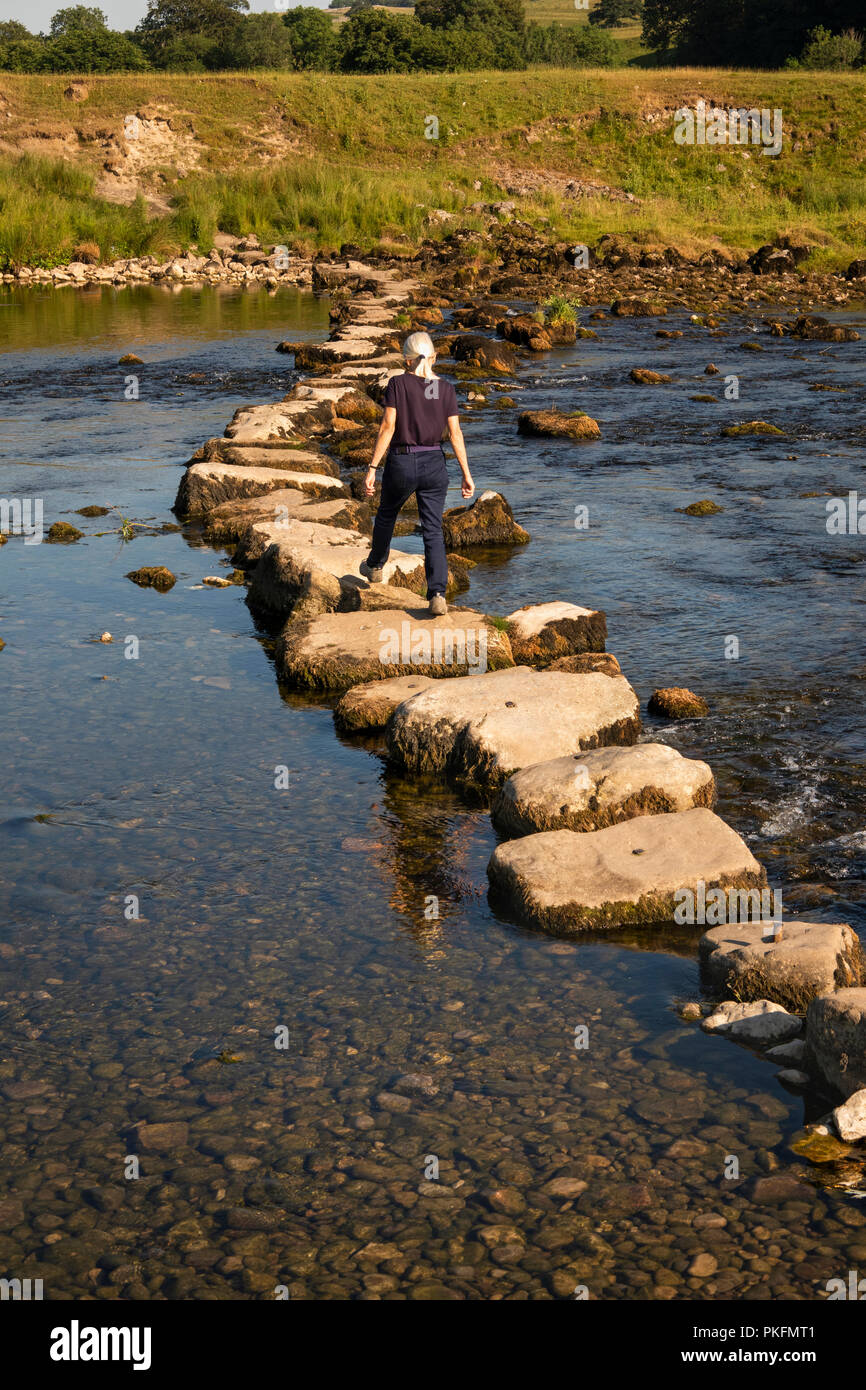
[217, 35]
[440, 36]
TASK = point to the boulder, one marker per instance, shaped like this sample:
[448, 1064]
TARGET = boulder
[543, 632]
[486, 353]
[675, 702]
[772, 260]
[526, 331]
[556, 424]
[632, 308]
[488, 520]
[730, 1012]
[850, 1118]
[624, 875]
[591, 790]
[836, 1040]
[337, 650]
[810, 958]
[484, 728]
[814, 328]
[371, 705]
[205, 485]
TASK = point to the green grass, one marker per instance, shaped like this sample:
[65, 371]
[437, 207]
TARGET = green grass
[315, 160]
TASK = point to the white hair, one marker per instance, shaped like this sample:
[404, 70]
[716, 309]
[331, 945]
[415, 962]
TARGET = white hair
[418, 349]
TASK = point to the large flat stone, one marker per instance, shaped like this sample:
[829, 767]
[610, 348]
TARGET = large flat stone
[371, 705]
[337, 650]
[205, 485]
[588, 791]
[836, 1040]
[495, 723]
[810, 958]
[297, 557]
[231, 520]
[289, 421]
[543, 632]
[269, 454]
[624, 875]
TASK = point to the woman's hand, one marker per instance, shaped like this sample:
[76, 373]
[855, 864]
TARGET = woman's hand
[370, 482]
[467, 487]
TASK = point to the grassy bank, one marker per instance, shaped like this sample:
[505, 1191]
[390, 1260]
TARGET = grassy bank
[316, 160]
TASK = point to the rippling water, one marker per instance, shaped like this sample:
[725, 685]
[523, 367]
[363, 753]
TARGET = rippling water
[304, 910]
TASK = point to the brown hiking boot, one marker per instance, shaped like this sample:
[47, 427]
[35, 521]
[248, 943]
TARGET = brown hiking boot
[374, 576]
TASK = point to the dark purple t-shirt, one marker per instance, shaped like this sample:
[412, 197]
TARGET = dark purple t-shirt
[422, 408]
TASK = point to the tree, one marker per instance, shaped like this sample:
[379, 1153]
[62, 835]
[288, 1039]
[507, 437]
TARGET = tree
[78, 19]
[190, 33]
[826, 52]
[93, 50]
[375, 41]
[501, 23]
[263, 41]
[11, 30]
[743, 33]
[610, 13]
[314, 41]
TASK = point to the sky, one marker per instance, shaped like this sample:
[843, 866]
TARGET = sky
[121, 14]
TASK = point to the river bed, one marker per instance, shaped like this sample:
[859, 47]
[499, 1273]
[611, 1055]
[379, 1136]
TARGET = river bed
[297, 916]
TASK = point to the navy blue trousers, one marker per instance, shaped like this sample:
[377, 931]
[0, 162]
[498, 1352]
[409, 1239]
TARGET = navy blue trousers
[426, 474]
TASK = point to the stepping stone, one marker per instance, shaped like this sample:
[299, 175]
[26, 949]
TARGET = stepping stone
[624, 875]
[809, 959]
[297, 557]
[543, 632]
[370, 706]
[336, 650]
[273, 454]
[836, 1040]
[487, 727]
[588, 791]
[205, 485]
[281, 421]
[232, 520]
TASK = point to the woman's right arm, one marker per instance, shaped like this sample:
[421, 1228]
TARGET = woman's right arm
[458, 444]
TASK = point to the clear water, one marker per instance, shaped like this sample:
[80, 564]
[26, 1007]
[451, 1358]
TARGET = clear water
[304, 909]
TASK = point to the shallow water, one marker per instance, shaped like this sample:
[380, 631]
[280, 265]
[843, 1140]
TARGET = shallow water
[304, 909]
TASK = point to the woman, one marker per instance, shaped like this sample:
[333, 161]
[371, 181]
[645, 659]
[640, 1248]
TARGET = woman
[418, 406]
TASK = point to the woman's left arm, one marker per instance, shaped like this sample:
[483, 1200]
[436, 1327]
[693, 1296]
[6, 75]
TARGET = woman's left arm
[383, 441]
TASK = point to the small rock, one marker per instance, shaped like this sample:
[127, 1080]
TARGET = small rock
[61, 532]
[703, 508]
[703, 1265]
[643, 376]
[676, 702]
[153, 577]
